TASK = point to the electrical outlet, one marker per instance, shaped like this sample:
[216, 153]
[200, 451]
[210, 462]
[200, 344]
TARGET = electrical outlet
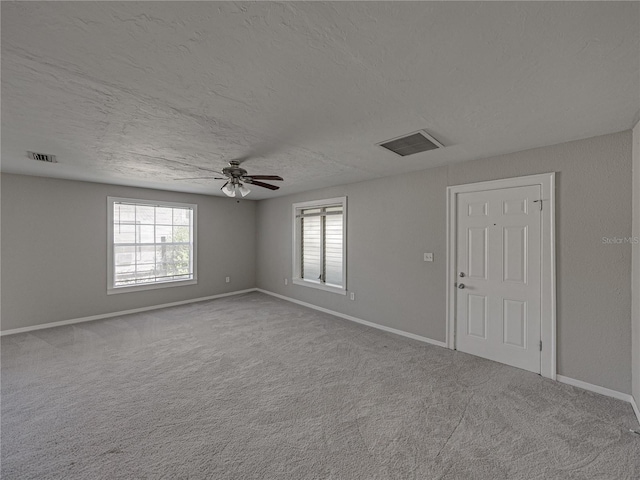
[228, 279]
[428, 257]
[286, 281]
[352, 296]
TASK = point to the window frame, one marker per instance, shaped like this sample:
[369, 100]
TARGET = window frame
[111, 288]
[297, 243]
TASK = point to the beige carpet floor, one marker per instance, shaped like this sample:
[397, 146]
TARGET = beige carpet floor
[252, 387]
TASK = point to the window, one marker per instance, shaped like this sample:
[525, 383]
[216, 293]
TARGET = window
[150, 244]
[320, 244]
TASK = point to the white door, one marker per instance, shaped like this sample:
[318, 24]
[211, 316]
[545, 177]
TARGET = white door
[498, 275]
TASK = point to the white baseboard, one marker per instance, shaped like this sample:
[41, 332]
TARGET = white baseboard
[595, 388]
[357, 320]
[118, 314]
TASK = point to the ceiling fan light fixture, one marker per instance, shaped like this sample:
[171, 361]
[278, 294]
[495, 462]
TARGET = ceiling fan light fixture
[244, 191]
[228, 190]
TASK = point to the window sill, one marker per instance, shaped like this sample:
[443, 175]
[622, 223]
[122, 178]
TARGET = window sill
[150, 286]
[320, 286]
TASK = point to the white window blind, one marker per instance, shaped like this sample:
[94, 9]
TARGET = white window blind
[311, 249]
[333, 253]
[151, 243]
[320, 245]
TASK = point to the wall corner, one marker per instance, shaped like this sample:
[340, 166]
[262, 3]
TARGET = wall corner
[635, 271]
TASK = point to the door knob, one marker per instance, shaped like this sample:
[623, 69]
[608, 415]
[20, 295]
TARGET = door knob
[461, 286]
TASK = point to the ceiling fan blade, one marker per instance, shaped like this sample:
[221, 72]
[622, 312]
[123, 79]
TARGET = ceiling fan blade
[265, 185]
[264, 177]
[200, 178]
[210, 170]
[224, 185]
[177, 162]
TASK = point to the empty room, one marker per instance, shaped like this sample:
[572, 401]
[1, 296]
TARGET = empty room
[320, 240]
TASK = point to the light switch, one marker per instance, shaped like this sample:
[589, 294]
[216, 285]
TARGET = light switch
[428, 257]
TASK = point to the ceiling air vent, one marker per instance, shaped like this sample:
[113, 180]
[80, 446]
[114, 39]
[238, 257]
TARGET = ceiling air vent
[42, 157]
[415, 142]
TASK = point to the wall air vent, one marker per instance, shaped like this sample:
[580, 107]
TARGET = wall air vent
[42, 157]
[416, 142]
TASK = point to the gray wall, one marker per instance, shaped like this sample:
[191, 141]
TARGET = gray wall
[393, 221]
[54, 250]
[636, 267]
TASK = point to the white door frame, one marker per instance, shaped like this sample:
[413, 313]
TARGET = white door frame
[546, 181]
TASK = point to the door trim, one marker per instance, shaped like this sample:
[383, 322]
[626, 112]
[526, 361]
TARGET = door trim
[546, 181]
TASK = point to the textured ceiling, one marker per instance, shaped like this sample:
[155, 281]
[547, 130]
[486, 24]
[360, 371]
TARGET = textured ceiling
[142, 93]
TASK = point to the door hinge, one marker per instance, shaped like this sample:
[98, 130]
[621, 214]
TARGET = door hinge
[540, 202]
[540, 345]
